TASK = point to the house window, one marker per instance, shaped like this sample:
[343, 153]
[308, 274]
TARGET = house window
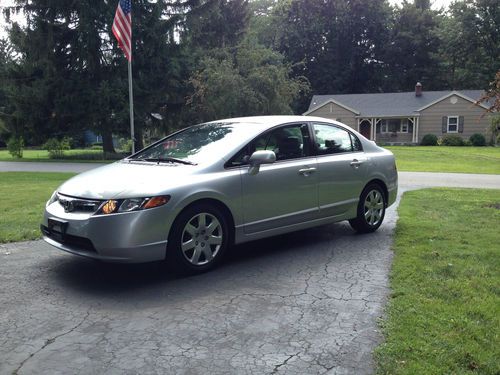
[394, 126]
[404, 126]
[452, 124]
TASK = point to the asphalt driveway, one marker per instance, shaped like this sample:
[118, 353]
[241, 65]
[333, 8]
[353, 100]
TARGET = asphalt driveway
[304, 303]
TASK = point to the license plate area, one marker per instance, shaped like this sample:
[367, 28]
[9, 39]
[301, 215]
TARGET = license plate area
[57, 228]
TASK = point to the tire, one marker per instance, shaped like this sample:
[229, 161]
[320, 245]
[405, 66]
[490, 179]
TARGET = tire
[198, 239]
[371, 209]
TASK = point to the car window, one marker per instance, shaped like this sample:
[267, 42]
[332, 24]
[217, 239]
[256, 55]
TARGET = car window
[287, 142]
[356, 143]
[331, 139]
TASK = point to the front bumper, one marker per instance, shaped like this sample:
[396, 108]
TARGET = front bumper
[132, 237]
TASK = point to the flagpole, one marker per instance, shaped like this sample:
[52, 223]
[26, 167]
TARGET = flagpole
[131, 104]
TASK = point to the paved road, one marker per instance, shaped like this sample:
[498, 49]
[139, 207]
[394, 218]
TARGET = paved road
[304, 303]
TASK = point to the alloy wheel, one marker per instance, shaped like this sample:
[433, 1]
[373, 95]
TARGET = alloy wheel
[374, 207]
[201, 239]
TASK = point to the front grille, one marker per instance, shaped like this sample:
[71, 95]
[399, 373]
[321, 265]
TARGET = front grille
[79, 243]
[72, 204]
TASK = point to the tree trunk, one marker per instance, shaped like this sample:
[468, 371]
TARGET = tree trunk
[139, 143]
[107, 142]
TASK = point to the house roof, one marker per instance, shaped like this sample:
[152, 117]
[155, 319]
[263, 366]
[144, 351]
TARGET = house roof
[389, 104]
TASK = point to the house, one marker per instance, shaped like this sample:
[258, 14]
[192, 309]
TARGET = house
[405, 117]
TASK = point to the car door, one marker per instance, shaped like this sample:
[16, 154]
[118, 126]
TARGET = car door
[341, 165]
[285, 192]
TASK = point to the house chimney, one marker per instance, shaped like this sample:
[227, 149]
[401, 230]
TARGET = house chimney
[418, 89]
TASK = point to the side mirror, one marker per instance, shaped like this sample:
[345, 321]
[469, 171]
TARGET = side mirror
[258, 158]
[262, 157]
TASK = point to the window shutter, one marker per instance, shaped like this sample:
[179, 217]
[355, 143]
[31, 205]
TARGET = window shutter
[444, 124]
[461, 124]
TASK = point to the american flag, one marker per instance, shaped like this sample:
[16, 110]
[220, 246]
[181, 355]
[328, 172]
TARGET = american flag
[122, 27]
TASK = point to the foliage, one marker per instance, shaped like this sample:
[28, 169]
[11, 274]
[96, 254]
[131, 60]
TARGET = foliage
[411, 56]
[442, 315]
[470, 43]
[56, 147]
[125, 145]
[447, 159]
[62, 72]
[429, 140]
[15, 146]
[452, 140]
[252, 80]
[492, 95]
[477, 139]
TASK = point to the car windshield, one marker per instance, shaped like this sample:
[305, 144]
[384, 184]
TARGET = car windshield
[197, 144]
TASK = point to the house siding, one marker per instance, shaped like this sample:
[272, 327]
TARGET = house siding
[431, 118]
[333, 111]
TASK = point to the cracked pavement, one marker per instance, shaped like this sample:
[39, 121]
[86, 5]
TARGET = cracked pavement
[307, 302]
[302, 303]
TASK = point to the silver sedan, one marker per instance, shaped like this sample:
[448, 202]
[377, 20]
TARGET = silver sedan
[188, 197]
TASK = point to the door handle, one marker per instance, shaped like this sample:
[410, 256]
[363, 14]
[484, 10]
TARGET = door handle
[306, 171]
[356, 163]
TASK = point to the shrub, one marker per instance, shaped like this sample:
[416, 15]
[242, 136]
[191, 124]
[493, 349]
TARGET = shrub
[15, 146]
[125, 145]
[477, 139]
[452, 140]
[56, 148]
[429, 140]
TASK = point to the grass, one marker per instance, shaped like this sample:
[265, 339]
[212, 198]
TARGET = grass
[76, 155]
[444, 313]
[22, 198]
[447, 159]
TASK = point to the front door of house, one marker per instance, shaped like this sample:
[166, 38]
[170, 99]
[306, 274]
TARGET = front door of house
[365, 129]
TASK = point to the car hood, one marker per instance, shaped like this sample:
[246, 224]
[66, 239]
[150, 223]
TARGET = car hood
[127, 180]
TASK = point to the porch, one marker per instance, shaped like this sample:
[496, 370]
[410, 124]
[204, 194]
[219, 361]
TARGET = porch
[389, 129]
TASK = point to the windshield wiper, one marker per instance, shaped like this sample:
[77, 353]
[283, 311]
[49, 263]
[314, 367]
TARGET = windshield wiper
[164, 160]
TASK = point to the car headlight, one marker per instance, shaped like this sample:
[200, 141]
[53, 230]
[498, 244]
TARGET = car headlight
[132, 204]
[53, 198]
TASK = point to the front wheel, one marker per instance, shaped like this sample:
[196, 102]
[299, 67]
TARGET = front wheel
[198, 239]
[371, 210]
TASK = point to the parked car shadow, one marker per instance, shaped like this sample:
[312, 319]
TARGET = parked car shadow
[269, 258]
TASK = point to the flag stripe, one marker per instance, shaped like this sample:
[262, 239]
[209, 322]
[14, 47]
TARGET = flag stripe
[122, 27]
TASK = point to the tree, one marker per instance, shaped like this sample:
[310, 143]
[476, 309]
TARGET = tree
[412, 54]
[71, 75]
[470, 40]
[339, 44]
[251, 80]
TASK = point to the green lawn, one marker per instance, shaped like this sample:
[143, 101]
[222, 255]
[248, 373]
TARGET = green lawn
[76, 155]
[22, 198]
[443, 316]
[447, 159]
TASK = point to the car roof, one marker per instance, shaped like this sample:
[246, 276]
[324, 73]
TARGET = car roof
[266, 122]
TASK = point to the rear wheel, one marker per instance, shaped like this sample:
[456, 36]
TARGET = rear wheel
[198, 239]
[371, 210]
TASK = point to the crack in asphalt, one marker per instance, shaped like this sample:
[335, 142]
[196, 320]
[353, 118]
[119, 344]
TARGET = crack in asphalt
[50, 341]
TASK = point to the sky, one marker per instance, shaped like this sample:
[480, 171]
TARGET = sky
[436, 4]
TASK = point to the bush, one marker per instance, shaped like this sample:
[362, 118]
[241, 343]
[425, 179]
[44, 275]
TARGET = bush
[56, 148]
[477, 139]
[452, 140]
[15, 146]
[429, 140]
[125, 145]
